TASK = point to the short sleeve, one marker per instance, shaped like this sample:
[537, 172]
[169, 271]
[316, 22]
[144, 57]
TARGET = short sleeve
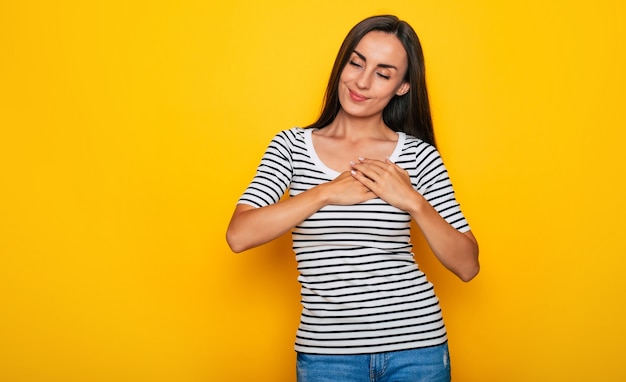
[432, 181]
[273, 175]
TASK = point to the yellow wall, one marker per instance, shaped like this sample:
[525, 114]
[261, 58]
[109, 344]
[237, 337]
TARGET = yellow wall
[129, 129]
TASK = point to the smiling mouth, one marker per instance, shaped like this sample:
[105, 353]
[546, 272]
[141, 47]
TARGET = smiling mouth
[357, 97]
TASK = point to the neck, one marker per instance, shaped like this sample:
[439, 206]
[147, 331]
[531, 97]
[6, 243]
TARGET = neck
[357, 128]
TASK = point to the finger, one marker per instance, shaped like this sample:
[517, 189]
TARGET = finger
[391, 163]
[363, 179]
[394, 165]
[364, 172]
[371, 162]
[386, 165]
[370, 167]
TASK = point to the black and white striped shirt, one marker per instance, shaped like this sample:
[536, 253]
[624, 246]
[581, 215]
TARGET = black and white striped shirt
[362, 291]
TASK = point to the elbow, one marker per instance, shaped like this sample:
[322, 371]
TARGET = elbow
[234, 242]
[472, 266]
[469, 274]
[235, 248]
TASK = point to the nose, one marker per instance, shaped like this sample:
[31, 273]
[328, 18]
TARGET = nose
[363, 80]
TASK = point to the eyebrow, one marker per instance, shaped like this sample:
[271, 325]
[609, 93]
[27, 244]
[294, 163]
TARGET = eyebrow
[386, 66]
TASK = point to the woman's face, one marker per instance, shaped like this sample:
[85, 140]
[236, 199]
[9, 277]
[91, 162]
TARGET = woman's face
[373, 75]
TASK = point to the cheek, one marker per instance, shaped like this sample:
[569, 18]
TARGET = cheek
[346, 75]
[345, 78]
[386, 92]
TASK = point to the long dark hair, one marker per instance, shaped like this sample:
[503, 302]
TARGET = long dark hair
[409, 113]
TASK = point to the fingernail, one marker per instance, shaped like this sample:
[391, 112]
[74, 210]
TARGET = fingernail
[361, 159]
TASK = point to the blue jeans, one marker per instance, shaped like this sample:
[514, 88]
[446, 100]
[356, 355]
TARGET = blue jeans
[430, 364]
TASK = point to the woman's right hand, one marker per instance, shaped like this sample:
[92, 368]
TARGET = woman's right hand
[250, 227]
[346, 190]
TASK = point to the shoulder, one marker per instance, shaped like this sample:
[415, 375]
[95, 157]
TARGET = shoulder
[416, 146]
[293, 134]
[288, 141]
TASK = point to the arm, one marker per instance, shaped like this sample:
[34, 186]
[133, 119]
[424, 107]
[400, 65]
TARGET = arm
[457, 251]
[250, 227]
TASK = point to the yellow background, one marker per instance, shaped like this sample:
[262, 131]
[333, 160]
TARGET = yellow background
[129, 129]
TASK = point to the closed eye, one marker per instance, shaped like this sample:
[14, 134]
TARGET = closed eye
[353, 63]
[383, 76]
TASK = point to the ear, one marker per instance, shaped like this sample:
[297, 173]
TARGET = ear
[403, 89]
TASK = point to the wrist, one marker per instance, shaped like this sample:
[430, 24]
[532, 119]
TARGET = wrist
[417, 205]
[321, 195]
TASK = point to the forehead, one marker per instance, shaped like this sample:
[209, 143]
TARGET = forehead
[382, 48]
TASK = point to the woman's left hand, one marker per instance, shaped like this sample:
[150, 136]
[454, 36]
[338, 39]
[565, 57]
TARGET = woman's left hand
[387, 180]
[457, 251]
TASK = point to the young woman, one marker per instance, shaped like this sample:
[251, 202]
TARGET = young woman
[356, 177]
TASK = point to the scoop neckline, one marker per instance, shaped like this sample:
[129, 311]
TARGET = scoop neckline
[308, 139]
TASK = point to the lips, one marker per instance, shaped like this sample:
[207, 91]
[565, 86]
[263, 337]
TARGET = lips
[356, 97]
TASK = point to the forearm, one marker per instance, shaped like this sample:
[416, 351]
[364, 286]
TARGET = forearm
[457, 251]
[250, 227]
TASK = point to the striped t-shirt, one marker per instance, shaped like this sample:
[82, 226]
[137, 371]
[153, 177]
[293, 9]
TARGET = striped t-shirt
[362, 291]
